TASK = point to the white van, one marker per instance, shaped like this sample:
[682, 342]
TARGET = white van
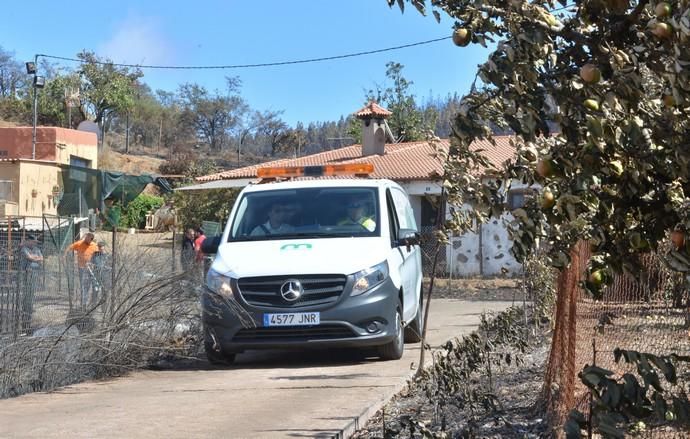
[315, 263]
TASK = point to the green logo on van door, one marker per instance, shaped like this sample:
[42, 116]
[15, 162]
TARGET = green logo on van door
[295, 246]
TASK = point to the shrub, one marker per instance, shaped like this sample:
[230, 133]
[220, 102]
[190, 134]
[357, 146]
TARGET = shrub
[134, 214]
[188, 166]
[211, 205]
[540, 284]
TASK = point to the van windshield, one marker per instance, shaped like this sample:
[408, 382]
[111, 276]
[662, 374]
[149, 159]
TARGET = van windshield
[324, 212]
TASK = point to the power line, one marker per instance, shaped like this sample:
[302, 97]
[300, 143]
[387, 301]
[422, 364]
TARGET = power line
[245, 66]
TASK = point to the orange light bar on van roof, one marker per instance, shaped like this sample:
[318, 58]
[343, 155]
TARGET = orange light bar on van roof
[316, 171]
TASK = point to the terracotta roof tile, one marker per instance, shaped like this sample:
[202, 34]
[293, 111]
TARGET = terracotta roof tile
[498, 154]
[402, 161]
[372, 109]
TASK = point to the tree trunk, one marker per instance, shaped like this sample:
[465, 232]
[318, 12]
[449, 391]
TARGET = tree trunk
[101, 132]
[160, 135]
[127, 133]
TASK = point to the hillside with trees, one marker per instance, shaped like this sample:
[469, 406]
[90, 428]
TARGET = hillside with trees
[192, 122]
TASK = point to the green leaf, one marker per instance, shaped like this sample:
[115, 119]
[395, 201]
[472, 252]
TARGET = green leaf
[598, 370]
[617, 353]
[609, 429]
[666, 367]
[614, 390]
[631, 387]
[572, 430]
[659, 405]
[591, 379]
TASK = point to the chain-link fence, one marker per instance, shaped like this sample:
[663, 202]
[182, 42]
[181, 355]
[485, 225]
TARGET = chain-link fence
[429, 245]
[68, 314]
[636, 316]
[31, 284]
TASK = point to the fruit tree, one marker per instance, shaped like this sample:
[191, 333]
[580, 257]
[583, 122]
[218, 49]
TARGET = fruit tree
[613, 77]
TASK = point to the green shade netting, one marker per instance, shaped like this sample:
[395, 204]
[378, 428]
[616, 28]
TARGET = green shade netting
[85, 188]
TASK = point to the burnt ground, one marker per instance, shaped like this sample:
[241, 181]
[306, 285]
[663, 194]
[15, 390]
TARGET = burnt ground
[502, 289]
[514, 389]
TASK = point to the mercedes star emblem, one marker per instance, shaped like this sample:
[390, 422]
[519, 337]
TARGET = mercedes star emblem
[291, 290]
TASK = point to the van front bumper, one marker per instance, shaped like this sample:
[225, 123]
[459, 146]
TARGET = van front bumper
[235, 326]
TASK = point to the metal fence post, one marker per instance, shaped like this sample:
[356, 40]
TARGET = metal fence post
[450, 264]
[113, 275]
[173, 251]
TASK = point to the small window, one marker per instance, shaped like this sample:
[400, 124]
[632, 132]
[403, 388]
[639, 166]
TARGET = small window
[403, 209]
[79, 161]
[6, 190]
[517, 198]
[393, 223]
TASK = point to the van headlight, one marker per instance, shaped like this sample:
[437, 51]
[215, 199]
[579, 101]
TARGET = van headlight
[218, 283]
[369, 278]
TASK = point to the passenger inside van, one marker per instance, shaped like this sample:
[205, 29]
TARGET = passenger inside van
[279, 215]
[356, 214]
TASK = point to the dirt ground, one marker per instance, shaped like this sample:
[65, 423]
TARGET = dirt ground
[502, 289]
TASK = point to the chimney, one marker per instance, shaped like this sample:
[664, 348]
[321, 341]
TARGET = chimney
[373, 118]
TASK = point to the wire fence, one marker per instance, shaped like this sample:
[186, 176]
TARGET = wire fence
[647, 314]
[64, 319]
[429, 245]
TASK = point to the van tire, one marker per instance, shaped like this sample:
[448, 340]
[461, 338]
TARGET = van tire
[413, 331]
[394, 349]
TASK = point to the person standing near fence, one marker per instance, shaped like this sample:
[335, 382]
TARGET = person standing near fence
[199, 261]
[100, 262]
[188, 252]
[85, 248]
[31, 259]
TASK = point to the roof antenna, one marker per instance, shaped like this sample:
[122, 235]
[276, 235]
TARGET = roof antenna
[389, 133]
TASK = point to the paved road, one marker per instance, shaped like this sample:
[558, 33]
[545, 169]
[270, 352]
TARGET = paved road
[266, 394]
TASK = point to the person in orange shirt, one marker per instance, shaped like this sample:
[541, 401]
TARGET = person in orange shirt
[85, 248]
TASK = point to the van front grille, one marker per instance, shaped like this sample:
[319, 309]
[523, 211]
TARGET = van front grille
[265, 291]
[293, 333]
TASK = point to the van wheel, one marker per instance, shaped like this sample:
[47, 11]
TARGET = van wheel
[218, 358]
[394, 349]
[413, 331]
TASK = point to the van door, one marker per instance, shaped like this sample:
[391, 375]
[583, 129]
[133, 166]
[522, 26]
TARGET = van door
[411, 270]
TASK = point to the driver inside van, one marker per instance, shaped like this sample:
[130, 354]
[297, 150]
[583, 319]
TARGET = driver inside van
[278, 216]
[356, 215]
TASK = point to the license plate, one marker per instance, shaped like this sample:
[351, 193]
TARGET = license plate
[292, 319]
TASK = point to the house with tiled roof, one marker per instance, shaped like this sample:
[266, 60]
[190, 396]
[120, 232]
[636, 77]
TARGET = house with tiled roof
[418, 168]
[31, 167]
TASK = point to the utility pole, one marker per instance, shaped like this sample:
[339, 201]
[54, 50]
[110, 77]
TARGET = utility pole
[35, 119]
[127, 133]
[160, 135]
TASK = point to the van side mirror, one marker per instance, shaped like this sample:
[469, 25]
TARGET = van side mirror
[408, 238]
[210, 244]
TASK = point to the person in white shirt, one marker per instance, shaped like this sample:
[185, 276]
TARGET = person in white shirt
[277, 221]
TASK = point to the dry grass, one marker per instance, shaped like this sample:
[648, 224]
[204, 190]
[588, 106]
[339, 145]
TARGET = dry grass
[110, 160]
[151, 313]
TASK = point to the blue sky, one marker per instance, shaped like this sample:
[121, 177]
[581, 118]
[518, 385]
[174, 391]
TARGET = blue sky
[238, 32]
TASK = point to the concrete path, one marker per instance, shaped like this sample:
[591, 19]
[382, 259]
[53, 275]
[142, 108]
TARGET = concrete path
[266, 394]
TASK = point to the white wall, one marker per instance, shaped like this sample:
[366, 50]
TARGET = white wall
[462, 255]
[496, 248]
[468, 255]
